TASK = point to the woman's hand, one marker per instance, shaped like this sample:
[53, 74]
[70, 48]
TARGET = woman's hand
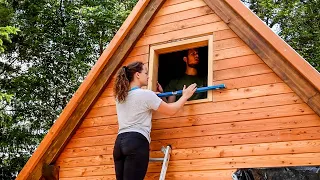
[189, 91]
[173, 108]
[159, 88]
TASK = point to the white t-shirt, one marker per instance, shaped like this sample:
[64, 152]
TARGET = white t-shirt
[135, 114]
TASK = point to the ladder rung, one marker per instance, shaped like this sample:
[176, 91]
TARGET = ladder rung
[156, 159]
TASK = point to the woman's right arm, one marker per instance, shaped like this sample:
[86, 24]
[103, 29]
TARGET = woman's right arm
[173, 108]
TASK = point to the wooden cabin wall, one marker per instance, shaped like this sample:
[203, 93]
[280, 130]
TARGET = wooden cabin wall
[258, 121]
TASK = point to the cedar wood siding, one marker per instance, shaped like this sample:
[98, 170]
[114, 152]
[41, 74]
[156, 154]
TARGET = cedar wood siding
[258, 121]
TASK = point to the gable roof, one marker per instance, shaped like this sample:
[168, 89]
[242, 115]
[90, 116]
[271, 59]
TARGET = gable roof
[278, 55]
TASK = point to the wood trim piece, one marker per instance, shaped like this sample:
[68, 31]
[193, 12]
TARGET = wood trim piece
[50, 172]
[52, 145]
[281, 58]
[315, 102]
[181, 45]
[153, 69]
[178, 46]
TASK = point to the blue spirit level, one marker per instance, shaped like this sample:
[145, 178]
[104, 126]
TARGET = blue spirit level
[199, 90]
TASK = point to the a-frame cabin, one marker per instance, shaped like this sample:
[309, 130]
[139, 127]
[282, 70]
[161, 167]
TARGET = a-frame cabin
[268, 116]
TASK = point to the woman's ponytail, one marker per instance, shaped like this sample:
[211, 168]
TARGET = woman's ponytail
[123, 79]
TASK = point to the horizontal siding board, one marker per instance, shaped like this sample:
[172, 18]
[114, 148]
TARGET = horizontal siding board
[139, 51]
[310, 133]
[183, 24]
[233, 116]
[249, 81]
[261, 149]
[209, 107]
[252, 114]
[106, 101]
[86, 151]
[222, 128]
[241, 72]
[241, 104]
[232, 52]
[190, 175]
[214, 118]
[274, 134]
[236, 62]
[80, 155]
[99, 121]
[227, 43]
[223, 34]
[105, 177]
[307, 159]
[180, 7]
[173, 2]
[108, 91]
[292, 147]
[96, 131]
[206, 164]
[141, 58]
[179, 16]
[249, 92]
[225, 94]
[184, 33]
[237, 127]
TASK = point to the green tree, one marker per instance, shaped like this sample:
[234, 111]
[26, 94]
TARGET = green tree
[6, 126]
[59, 42]
[296, 21]
[6, 14]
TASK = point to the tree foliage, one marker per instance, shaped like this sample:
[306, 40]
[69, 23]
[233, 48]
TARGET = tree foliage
[58, 42]
[6, 13]
[48, 46]
[296, 21]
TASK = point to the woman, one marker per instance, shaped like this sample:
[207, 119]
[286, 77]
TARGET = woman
[134, 110]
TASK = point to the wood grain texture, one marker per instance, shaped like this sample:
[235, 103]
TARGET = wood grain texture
[241, 72]
[190, 175]
[310, 133]
[234, 62]
[183, 33]
[183, 24]
[249, 81]
[214, 107]
[206, 164]
[179, 16]
[180, 7]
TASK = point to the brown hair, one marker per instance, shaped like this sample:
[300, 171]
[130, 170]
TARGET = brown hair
[124, 77]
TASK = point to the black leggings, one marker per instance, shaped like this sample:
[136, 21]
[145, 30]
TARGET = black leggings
[131, 156]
